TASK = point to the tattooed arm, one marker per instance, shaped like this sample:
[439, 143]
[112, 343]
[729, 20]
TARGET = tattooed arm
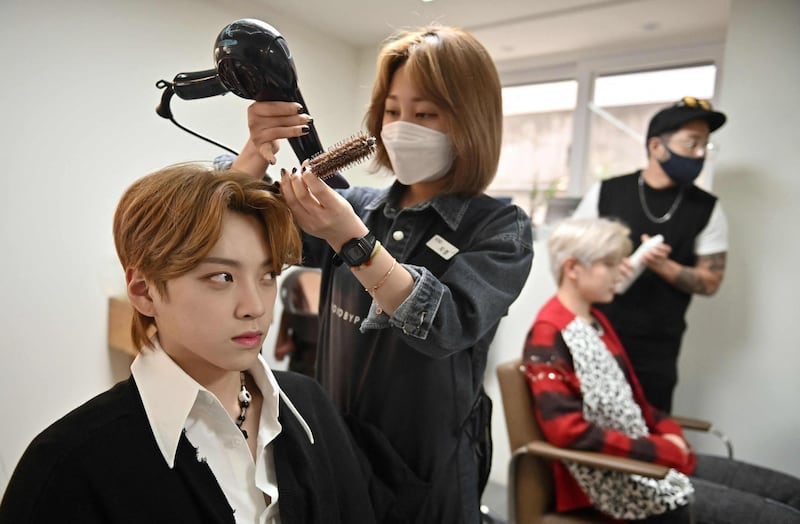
[705, 277]
[702, 279]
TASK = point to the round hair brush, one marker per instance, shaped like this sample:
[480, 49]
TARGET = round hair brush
[346, 153]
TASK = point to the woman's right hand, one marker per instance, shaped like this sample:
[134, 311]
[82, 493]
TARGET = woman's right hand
[251, 161]
[268, 123]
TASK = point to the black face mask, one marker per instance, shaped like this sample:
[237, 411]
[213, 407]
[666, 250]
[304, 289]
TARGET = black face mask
[683, 170]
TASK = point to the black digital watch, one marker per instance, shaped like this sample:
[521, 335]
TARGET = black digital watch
[358, 251]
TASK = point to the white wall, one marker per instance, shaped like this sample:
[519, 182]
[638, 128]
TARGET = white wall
[78, 125]
[741, 355]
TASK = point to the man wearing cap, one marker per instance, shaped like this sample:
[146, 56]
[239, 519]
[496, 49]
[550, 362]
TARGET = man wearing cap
[662, 199]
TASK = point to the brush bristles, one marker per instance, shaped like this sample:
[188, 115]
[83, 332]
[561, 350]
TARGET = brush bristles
[345, 154]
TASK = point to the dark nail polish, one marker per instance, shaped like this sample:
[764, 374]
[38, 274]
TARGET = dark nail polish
[305, 129]
[301, 110]
[284, 172]
[294, 170]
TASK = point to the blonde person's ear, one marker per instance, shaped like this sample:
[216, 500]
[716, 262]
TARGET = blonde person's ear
[139, 292]
[570, 267]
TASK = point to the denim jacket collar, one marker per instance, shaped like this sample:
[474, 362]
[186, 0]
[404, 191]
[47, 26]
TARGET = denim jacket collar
[450, 207]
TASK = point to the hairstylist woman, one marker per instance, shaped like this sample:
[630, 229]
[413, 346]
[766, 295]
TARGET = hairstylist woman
[416, 277]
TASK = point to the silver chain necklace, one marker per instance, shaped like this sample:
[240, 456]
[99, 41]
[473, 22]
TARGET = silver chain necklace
[666, 216]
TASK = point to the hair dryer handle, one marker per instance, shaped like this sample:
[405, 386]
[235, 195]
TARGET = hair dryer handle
[308, 145]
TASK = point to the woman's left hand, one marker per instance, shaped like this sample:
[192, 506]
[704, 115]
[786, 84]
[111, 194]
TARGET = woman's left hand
[319, 210]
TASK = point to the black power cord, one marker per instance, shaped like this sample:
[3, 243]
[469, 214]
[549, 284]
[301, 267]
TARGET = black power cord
[163, 110]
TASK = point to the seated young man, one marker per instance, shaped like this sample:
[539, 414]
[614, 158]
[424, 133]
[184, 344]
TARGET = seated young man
[203, 431]
[587, 397]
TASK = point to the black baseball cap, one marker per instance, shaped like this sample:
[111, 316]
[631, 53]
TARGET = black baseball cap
[686, 110]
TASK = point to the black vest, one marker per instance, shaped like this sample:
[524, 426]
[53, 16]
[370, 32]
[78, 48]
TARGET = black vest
[652, 305]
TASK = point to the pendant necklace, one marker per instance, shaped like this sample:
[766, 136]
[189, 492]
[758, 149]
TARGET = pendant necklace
[244, 403]
[666, 216]
[598, 327]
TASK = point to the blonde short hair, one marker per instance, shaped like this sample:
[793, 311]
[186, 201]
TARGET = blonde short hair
[452, 69]
[168, 221]
[587, 240]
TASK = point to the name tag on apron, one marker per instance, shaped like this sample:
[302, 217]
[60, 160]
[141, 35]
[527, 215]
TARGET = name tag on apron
[442, 247]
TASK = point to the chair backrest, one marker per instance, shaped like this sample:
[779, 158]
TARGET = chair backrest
[300, 291]
[299, 323]
[534, 482]
[300, 298]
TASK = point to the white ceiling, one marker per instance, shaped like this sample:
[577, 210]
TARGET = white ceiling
[516, 29]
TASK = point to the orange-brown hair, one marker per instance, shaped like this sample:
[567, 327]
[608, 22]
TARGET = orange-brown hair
[168, 221]
[454, 71]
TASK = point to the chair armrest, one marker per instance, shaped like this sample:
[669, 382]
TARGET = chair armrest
[697, 424]
[546, 450]
[692, 423]
[592, 458]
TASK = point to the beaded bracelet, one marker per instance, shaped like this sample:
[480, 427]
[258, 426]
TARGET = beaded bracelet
[366, 264]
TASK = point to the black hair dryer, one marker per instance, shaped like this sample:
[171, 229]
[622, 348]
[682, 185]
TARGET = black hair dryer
[252, 61]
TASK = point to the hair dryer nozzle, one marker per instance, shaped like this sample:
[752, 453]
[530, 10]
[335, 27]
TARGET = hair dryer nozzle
[198, 84]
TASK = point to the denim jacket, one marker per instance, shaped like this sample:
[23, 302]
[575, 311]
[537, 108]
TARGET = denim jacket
[410, 385]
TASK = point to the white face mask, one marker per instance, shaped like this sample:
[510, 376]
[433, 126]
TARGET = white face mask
[417, 153]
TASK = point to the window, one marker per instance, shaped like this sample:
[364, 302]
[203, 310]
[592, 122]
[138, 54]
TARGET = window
[537, 132]
[568, 125]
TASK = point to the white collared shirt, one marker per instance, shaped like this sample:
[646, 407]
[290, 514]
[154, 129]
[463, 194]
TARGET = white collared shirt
[174, 401]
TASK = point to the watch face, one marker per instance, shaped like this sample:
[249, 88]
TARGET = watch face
[358, 250]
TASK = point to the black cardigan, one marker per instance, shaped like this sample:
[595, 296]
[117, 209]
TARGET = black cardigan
[100, 464]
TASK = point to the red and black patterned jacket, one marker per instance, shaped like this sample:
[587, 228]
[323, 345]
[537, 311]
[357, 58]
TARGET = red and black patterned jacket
[559, 405]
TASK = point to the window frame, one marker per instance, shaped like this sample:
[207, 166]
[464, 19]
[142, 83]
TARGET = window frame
[585, 68]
